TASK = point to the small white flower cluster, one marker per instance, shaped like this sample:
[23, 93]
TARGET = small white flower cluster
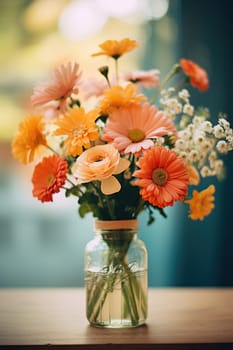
[173, 106]
[200, 143]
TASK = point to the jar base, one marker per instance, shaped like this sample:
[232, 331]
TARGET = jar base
[117, 324]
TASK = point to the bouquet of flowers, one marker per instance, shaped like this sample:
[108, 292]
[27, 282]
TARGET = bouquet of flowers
[120, 153]
[117, 151]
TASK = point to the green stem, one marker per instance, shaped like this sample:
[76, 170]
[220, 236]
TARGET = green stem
[108, 82]
[110, 209]
[116, 69]
[71, 182]
[175, 69]
[136, 290]
[139, 207]
[182, 83]
[98, 193]
[53, 150]
[130, 298]
[100, 288]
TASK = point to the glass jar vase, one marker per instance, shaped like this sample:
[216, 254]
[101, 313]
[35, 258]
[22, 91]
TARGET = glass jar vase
[116, 275]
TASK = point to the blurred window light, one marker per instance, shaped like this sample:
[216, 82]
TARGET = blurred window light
[134, 10]
[81, 18]
[120, 8]
[157, 8]
[41, 15]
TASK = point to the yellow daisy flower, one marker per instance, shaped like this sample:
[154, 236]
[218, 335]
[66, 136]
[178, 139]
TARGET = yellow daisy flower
[119, 96]
[116, 48]
[80, 129]
[201, 204]
[29, 139]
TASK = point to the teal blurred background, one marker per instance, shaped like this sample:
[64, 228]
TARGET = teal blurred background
[43, 245]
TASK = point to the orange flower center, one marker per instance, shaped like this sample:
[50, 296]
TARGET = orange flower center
[159, 176]
[78, 131]
[136, 135]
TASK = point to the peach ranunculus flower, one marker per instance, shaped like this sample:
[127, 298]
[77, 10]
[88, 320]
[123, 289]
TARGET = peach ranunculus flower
[100, 163]
[201, 204]
[116, 48]
[197, 75]
[29, 140]
[148, 79]
[118, 96]
[163, 177]
[48, 177]
[79, 128]
[63, 84]
[133, 128]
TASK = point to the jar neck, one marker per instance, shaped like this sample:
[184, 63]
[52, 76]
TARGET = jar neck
[116, 229]
[116, 224]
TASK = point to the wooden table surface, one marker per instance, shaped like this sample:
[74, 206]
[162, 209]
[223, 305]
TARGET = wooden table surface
[179, 318]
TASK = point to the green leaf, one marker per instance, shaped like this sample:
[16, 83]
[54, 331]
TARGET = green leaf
[83, 210]
[72, 191]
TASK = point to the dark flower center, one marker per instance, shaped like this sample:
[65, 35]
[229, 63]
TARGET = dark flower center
[159, 176]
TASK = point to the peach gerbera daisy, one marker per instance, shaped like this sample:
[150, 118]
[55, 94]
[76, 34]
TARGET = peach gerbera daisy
[133, 128]
[29, 139]
[63, 84]
[147, 79]
[197, 75]
[201, 204]
[162, 176]
[79, 128]
[48, 177]
[100, 163]
[119, 96]
[116, 48]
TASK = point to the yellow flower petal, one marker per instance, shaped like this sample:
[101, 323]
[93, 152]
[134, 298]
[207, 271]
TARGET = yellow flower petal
[110, 185]
[116, 48]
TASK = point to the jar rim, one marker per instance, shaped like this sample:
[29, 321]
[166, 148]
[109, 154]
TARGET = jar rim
[116, 224]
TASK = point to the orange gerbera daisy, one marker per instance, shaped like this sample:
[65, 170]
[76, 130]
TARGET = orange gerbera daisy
[201, 204]
[133, 128]
[119, 96]
[116, 48]
[29, 139]
[197, 75]
[80, 129]
[48, 177]
[162, 176]
[64, 82]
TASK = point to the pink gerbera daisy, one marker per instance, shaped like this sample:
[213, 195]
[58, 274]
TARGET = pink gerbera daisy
[94, 87]
[163, 177]
[133, 128]
[64, 82]
[147, 79]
